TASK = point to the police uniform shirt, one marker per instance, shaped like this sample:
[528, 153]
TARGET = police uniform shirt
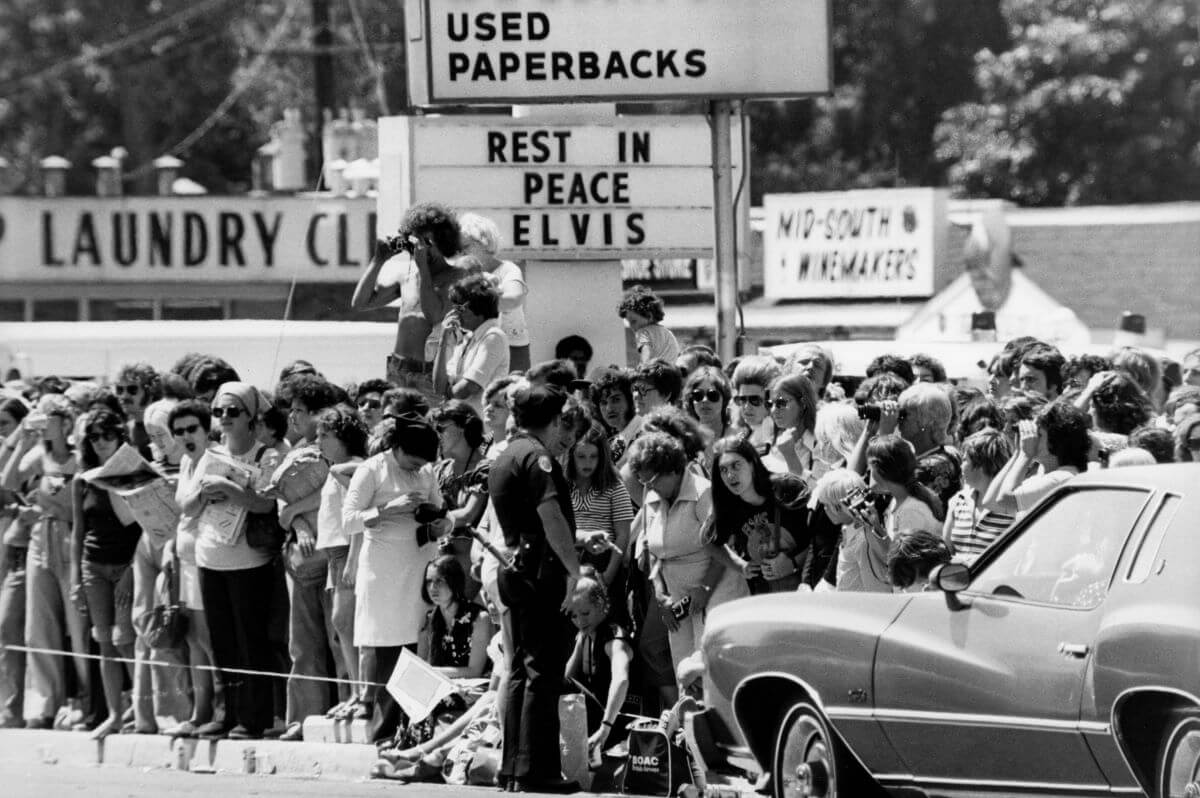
[524, 476]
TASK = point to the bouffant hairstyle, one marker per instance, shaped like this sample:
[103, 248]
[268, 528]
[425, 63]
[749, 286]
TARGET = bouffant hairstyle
[679, 425]
[837, 430]
[930, 407]
[1067, 435]
[437, 222]
[343, 423]
[404, 401]
[663, 377]
[100, 422]
[642, 301]
[913, 554]
[476, 229]
[821, 355]
[1120, 405]
[410, 433]
[477, 294]
[209, 373]
[803, 393]
[658, 453]
[365, 387]
[462, 414]
[315, 393]
[756, 370]
[696, 356]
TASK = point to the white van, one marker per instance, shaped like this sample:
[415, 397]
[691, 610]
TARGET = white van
[342, 351]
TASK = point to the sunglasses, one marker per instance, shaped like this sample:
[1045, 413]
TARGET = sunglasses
[777, 404]
[642, 390]
[753, 401]
[107, 435]
[227, 412]
[132, 390]
[1193, 443]
[712, 395]
[370, 404]
[190, 429]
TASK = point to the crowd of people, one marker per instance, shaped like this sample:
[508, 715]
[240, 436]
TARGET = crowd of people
[523, 529]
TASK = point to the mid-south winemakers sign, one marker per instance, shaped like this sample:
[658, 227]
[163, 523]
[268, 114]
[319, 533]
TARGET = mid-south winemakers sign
[539, 51]
[853, 244]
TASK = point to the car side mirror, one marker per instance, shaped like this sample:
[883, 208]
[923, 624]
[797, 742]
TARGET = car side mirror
[951, 577]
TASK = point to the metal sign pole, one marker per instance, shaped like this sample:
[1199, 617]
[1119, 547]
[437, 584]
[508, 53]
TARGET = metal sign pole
[725, 292]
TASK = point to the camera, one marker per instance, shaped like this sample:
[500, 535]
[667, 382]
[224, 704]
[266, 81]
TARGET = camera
[872, 412]
[37, 422]
[398, 243]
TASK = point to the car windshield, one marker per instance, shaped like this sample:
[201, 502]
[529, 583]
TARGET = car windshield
[1067, 555]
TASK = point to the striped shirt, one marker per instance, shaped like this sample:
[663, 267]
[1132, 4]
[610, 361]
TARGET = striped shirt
[973, 529]
[601, 511]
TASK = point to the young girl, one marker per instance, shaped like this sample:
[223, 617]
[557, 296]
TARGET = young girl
[456, 632]
[600, 661]
[603, 511]
[769, 540]
[342, 439]
[892, 466]
[103, 539]
[643, 313]
[794, 410]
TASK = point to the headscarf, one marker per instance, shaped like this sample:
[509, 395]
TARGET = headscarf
[247, 395]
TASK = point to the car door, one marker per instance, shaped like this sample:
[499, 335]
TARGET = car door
[983, 688]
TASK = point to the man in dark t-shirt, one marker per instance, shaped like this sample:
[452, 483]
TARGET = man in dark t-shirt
[533, 505]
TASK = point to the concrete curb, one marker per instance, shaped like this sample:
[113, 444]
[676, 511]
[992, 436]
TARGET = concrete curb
[339, 762]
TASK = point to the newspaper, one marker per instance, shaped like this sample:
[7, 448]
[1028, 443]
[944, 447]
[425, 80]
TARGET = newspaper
[417, 686]
[149, 495]
[224, 521]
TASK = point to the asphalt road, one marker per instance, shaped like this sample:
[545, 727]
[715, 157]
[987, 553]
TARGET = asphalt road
[38, 780]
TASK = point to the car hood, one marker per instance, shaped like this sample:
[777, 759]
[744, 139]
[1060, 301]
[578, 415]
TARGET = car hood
[827, 639]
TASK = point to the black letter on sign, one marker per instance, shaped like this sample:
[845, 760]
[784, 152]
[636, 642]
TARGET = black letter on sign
[195, 239]
[311, 240]
[120, 233]
[455, 35]
[696, 66]
[539, 26]
[268, 235]
[520, 236]
[48, 256]
[637, 233]
[343, 237]
[85, 241]
[160, 238]
[232, 229]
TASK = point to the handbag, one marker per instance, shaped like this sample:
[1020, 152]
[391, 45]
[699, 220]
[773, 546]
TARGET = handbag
[657, 764]
[262, 529]
[168, 621]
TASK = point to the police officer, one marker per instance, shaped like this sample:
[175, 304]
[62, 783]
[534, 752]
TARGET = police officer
[533, 505]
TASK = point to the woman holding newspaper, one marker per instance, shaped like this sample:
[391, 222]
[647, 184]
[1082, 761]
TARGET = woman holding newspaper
[236, 578]
[104, 536]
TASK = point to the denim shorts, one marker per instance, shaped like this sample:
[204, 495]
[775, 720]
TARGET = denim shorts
[109, 624]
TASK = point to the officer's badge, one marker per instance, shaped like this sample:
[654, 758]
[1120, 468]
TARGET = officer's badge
[545, 464]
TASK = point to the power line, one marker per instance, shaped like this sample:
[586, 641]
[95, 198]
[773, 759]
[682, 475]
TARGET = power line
[92, 54]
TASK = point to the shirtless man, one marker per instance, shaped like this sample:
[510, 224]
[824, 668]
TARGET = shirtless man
[430, 234]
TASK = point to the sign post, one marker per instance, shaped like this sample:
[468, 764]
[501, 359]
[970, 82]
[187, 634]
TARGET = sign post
[723, 215]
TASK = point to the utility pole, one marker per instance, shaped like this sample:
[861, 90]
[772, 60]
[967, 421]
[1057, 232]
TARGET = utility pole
[322, 40]
[721, 113]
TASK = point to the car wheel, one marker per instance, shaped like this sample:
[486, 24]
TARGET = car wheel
[1179, 763]
[810, 762]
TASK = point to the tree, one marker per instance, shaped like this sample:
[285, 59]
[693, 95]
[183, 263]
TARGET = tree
[1095, 102]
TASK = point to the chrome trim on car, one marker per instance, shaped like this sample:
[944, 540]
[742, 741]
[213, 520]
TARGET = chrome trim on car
[975, 785]
[967, 719]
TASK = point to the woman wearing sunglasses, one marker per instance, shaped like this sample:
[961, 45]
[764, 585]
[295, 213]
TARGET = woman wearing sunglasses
[706, 398]
[237, 581]
[751, 381]
[793, 404]
[104, 537]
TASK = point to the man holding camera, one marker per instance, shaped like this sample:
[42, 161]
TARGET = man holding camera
[429, 234]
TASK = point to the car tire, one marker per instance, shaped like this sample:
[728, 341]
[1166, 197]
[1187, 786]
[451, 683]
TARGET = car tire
[812, 762]
[1179, 757]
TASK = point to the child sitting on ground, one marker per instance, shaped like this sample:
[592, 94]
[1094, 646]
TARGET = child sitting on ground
[643, 313]
[600, 661]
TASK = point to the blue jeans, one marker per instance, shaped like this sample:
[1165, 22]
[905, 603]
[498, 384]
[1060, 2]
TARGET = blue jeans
[312, 641]
[12, 632]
